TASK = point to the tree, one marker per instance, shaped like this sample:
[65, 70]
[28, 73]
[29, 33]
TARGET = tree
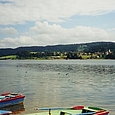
[110, 56]
[23, 55]
[73, 55]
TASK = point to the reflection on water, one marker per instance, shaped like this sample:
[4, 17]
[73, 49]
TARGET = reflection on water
[60, 82]
[16, 109]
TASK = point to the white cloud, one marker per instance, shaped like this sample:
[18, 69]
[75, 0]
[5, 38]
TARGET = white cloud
[16, 42]
[10, 30]
[46, 34]
[45, 28]
[19, 11]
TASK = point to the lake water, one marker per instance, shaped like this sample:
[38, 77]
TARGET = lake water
[55, 83]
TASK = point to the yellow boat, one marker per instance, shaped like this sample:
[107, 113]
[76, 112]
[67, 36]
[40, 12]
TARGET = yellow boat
[76, 110]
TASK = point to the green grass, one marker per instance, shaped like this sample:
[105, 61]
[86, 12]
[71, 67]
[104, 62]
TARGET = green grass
[8, 57]
[86, 56]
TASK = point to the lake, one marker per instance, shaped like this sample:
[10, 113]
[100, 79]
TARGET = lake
[55, 83]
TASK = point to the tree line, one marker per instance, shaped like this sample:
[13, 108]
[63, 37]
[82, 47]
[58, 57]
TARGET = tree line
[63, 55]
[104, 50]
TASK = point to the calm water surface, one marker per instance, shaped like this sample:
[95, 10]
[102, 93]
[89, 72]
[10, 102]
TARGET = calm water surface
[54, 83]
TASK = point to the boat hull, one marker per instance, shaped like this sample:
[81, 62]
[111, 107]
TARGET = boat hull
[72, 113]
[11, 102]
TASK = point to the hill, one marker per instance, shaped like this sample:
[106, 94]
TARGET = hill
[84, 47]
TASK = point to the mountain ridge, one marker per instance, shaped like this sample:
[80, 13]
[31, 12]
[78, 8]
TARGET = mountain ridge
[82, 47]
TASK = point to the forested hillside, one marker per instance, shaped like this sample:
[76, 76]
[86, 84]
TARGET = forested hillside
[85, 47]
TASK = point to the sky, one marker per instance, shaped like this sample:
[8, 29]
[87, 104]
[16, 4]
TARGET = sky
[55, 22]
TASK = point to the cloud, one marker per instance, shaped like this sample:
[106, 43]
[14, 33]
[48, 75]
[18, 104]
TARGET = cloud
[67, 35]
[20, 11]
[16, 42]
[10, 31]
[47, 34]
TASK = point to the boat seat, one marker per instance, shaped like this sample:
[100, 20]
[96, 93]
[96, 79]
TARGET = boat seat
[69, 112]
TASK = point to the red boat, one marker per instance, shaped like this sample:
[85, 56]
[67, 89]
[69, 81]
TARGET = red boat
[7, 99]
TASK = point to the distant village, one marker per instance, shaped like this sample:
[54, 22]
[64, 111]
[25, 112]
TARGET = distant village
[59, 55]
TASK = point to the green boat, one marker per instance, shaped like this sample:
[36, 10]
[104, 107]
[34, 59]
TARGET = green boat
[76, 110]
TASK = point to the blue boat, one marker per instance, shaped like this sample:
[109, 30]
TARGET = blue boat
[8, 99]
[5, 112]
